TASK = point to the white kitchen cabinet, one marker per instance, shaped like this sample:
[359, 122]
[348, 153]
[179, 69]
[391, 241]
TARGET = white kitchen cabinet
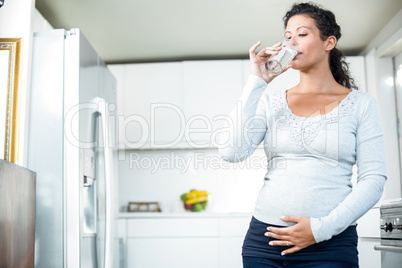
[231, 236]
[368, 229]
[150, 101]
[173, 227]
[172, 242]
[170, 105]
[185, 240]
[210, 91]
[368, 257]
[155, 252]
[230, 252]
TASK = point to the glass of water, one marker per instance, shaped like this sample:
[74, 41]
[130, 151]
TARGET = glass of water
[276, 63]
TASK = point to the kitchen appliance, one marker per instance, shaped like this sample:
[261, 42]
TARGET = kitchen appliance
[71, 147]
[391, 235]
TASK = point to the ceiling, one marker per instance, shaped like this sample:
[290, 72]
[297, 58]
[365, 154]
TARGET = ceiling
[124, 31]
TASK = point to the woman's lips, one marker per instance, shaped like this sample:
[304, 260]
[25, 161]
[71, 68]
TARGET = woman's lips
[298, 54]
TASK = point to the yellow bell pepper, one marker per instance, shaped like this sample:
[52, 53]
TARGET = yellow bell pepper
[197, 199]
[194, 194]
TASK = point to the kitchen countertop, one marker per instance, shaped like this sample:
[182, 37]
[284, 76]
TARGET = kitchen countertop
[204, 214]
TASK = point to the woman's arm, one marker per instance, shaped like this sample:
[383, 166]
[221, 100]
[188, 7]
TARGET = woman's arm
[370, 160]
[246, 125]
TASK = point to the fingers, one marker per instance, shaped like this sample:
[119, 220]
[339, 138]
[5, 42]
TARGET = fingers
[290, 218]
[269, 51]
[291, 250]
[297, 236]
[283, 243]
[275, 235]
[279, 231]
[266, 52]
[253, 48]
[284, 70]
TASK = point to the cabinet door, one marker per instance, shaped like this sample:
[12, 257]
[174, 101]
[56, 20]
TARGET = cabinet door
[368, 257]
[151, 104]
[210, 89]
[118, 72]
[230, 252]
[172, 252]
[231, 236]
[172, 227]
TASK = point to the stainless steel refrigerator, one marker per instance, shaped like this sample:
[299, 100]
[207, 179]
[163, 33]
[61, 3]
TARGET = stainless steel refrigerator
[71, 148]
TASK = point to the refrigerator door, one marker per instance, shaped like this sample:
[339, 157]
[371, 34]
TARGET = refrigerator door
[91, 184]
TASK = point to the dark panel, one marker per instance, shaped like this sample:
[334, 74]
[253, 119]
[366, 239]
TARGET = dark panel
[17, 216]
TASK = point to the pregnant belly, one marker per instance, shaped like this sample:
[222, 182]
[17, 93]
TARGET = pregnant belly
[304, 197]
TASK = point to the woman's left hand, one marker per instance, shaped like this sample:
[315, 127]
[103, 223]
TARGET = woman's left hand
[296, 237]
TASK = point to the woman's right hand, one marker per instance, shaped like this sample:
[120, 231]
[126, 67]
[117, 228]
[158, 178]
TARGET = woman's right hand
[257, 62]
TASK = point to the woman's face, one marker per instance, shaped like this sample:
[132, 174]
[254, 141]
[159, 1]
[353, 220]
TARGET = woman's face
[311, 48]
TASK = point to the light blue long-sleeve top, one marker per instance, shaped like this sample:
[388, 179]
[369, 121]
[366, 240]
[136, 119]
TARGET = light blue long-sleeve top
[310, 160]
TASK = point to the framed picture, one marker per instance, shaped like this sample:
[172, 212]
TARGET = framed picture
[10, 64]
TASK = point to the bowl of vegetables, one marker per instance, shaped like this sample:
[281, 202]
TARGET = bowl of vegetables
[195, 201]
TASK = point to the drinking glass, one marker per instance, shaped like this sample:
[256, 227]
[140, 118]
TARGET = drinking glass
[276, 63]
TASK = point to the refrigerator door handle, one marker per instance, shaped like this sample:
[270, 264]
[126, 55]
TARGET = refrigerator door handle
[102, 104]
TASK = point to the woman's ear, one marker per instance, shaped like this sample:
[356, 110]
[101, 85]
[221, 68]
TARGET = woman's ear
[330, 43]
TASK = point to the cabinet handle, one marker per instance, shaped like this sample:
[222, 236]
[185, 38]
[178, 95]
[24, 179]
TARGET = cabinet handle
[122, 257]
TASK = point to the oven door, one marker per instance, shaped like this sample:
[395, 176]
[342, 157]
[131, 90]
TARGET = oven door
[391, 256]
[391, 235]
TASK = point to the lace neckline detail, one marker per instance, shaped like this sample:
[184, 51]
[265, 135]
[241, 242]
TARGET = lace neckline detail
[340, 105]
[303, 130]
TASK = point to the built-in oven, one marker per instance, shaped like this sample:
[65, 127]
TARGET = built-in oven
[391, 235]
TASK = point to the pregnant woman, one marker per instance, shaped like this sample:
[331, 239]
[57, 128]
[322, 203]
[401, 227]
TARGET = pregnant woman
[306, 211]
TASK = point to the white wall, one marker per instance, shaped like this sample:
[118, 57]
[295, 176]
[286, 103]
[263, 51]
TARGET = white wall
[39, 23]
[379, 70]
[394, 25]
[19, 19]
[15, 21]
[154, 175]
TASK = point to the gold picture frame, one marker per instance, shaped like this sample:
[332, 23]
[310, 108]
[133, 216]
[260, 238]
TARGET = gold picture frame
[10, 64]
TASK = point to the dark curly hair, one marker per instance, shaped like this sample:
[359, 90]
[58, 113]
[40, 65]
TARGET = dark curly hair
[326, 24]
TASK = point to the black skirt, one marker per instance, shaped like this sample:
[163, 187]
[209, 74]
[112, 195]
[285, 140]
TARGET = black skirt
[342, 247]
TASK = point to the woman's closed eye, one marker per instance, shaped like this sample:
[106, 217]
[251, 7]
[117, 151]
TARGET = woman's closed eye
[300, 35]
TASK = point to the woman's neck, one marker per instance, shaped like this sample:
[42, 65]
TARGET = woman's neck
[317, 80]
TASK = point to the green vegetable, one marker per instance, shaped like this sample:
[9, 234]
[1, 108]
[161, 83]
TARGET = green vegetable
[197, 207]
